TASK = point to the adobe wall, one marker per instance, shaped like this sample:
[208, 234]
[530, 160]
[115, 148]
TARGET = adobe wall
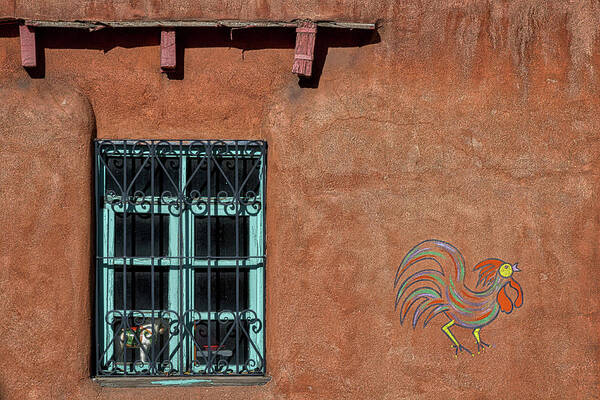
[470, 122]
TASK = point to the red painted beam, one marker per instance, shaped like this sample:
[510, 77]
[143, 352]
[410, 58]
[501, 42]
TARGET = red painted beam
[306, 34]
[168, 50]
[28, 50]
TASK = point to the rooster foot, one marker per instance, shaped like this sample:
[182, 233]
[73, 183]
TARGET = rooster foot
[481, 346]
[455, 343]
[460, 348]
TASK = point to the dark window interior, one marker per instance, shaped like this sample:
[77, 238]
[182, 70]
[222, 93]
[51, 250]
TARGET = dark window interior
[222, 235]
[222, 176]
[222, 296]
[222, 338]
[139, 288]
[138, 235]
[166, 175]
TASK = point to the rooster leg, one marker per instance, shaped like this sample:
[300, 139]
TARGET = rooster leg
[456, 346]
[480, 344]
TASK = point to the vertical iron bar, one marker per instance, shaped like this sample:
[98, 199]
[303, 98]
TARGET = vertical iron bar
[153, 338]
[96, 262]
[180, 241]
[209, 273]
[236, 202]
[263, 197]
[125, 320]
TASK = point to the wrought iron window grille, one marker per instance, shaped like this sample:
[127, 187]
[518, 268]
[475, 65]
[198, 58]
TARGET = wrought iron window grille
[180, 257]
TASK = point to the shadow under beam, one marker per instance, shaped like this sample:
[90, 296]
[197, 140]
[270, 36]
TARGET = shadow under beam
[245, 39]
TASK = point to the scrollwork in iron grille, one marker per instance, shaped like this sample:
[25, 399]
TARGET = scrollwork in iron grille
[180, 257]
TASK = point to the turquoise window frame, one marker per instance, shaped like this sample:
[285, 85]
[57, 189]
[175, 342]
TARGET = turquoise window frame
[182, 262]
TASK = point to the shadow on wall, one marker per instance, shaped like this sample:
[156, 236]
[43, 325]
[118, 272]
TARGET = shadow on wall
[245, 39]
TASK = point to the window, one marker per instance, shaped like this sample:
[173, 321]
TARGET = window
[180, 257]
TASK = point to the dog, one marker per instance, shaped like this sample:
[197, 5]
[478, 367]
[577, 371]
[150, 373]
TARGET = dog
[140, 337]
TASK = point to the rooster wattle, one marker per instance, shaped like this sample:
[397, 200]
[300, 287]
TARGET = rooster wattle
[437, 286]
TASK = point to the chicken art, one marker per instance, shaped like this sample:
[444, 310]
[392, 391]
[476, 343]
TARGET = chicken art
[431, 278]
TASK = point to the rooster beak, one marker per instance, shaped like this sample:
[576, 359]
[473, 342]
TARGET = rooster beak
[515, 268]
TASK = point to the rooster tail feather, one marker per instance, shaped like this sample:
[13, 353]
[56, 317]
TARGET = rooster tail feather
[429, 277]
[423, 307]
[433, 264]
[425, 297]
[435, 311]
[440, 255]
[422, 293]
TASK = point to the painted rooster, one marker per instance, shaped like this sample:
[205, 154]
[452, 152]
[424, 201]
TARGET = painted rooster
[431, 278]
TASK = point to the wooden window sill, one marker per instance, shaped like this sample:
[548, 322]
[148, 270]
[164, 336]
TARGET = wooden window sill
[157, 381]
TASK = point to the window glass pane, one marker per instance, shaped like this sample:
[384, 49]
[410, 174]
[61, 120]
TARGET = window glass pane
[222, 176]
[138, 238]
[166, 175]
[139, 281]
[222, 236]
[222, 289]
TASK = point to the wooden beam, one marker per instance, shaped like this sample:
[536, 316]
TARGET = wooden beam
[96, 25]
[168, 50]
[28, 49]
[306, 34]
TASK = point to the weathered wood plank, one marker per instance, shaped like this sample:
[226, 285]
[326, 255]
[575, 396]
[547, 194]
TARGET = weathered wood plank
[168, 50]
[95, 25]
[28, 46]
[306, 34]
